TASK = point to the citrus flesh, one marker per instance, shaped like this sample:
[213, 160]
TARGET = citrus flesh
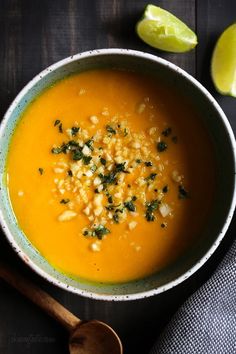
[160, 29]
[223, 64]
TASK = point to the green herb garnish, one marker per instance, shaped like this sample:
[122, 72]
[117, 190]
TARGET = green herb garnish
[149, 216]
[110, 199]
[76, 151]
[56, 150]
[110, 178]
[138, 161]
[116, 218]
[150, 208]
[40, 170]
[167, 132]
[70, 146]
[89, 144]
[77, 155]
[174, 139]
[87, 159]
[183, 194]
[130, 206]
[60, 128]
[69, 172]
[57, 121]
[100, 231]
[120, 167]
[103, 161]
[74, 131]
[161, 146]
[65, 201]
[151, 177]
[109, 129]
[93, 168]
[148, 163]
[165, 189]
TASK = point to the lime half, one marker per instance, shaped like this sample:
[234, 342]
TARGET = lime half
[223, 64]
[160, 29]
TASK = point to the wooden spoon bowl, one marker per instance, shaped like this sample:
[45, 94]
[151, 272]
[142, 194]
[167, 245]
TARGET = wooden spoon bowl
[91, 337]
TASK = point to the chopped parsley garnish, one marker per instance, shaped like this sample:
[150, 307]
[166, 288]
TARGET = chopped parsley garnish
[96, 191]
[65, 201]
[103, 161]
[110, 199]
[100, 231]
[60, 128]
[110, 178]
[183, 194]
[120, 167]
[109, 129]
[40, 170]
[134, 198]
[70, 146]
[120, 210]
[125, 132]
[87, 159]
[76, 151]
[150, 208]
[89, 144]
[161, 146]
[74, 131]
[165, 189]
[130, 206]
[149, 216]
[151, 177]
[163, 225]
[174, 139]
[116, 218]
[138, 161]
[167, 132]
[148, 163]
[93, 168]
[110, 207]
[56, 150]
[77, 155]
[57, 121]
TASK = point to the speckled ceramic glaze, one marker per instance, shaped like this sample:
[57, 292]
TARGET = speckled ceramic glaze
[224, 145]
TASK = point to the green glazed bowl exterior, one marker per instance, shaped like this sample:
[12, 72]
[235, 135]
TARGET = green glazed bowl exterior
[220, 133]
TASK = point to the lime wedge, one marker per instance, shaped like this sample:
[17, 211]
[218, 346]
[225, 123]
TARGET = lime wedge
[160, 29]
[223, 63]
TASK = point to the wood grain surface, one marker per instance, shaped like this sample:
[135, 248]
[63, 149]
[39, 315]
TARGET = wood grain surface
[35, 34]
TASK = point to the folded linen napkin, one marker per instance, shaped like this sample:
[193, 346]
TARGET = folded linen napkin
[206, 322]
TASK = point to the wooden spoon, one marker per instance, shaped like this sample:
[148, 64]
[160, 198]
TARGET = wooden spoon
[91, 337]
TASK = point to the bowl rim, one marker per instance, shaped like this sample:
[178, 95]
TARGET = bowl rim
[204, 258]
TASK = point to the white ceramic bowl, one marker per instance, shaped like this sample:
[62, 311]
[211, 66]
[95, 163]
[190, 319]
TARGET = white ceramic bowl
[224, 144]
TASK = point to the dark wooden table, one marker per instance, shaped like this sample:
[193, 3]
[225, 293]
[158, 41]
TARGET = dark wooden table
[37, 33]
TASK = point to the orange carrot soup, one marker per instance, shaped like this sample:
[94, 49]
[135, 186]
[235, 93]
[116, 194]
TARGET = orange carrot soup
[110, 175]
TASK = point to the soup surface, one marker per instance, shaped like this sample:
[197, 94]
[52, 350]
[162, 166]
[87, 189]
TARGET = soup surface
[110, 175]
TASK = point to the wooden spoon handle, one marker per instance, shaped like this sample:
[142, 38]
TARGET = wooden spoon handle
[39, 297]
